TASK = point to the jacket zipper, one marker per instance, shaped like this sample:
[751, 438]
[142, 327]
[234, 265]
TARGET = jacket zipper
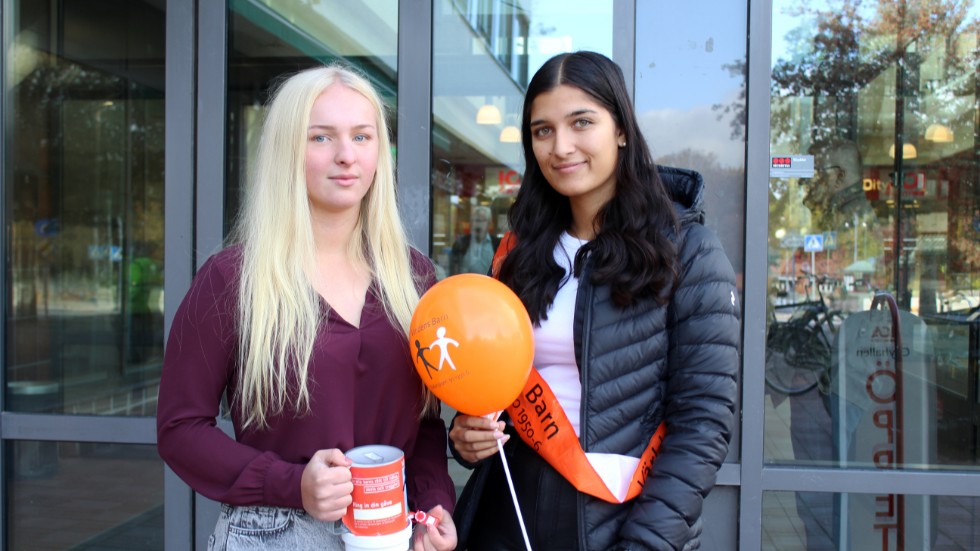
[583, 414]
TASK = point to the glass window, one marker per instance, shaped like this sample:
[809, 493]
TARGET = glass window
[484, 54]
[71, 495]
[690, 100]
[873, 193]
[815, 520]
[269, 39]
[83, 179]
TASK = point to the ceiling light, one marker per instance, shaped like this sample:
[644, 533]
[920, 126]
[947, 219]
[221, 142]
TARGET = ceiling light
[510, 134]
[939, 133]
[908, 151]
[488, 114]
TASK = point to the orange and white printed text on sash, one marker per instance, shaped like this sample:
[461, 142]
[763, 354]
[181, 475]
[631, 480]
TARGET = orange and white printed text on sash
[542, 424]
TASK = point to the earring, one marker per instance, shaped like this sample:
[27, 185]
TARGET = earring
[622, 145]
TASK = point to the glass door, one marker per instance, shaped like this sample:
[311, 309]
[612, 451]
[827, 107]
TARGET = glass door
[83, 178]
[874, 273]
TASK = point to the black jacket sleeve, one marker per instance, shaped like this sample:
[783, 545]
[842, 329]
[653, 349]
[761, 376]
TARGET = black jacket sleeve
[700, 398]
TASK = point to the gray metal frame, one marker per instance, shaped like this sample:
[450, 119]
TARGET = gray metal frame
[179, 221]
[212, 78]
[211, 60]
[870, 481]
[624, 40]
[414, 160]
[6, 36]
[756, 266]
[209, 191]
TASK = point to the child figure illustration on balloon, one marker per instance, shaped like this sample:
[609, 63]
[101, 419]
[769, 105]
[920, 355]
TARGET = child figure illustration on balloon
[425, 361]
[442, 343]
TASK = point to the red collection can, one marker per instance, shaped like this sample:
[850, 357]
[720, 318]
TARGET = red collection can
[380, 499]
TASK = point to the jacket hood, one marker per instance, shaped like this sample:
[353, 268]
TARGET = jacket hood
[686, 188]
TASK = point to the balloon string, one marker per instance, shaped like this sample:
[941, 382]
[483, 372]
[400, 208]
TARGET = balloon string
[513, 495]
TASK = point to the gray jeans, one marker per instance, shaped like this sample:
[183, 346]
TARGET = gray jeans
[272, 529]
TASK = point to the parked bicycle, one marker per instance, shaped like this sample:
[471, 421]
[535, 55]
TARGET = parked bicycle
[799, 349]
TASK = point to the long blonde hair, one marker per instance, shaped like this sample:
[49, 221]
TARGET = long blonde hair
[279, 311]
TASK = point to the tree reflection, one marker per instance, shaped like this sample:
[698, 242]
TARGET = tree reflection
[857, 83]
[875, 75]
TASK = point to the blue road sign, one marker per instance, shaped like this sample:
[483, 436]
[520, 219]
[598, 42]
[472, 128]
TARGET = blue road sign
[813, 243]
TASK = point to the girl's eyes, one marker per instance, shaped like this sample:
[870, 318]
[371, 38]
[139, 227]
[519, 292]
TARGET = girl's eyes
[320, 138]
[544, 131]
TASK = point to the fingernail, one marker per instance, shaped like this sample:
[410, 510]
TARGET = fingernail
[505, 438]
[497, 435]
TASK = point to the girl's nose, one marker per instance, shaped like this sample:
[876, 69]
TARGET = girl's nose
[563, 144]
[345, 153]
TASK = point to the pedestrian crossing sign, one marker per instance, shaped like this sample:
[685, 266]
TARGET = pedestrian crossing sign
[813, 243]
[830, 240]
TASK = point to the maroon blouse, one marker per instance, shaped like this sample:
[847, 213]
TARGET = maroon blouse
[363, 390]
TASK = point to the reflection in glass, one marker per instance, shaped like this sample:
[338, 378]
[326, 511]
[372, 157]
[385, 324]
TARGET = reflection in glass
[84, 178]
[270, 39]
[69, 495]
[815, 521]
[484, 54]
[690, 100]
[885, 102]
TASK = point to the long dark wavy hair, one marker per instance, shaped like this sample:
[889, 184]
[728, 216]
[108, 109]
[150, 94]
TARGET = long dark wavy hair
[631, 252]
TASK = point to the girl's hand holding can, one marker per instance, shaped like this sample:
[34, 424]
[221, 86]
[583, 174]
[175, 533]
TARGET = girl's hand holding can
[326, 485]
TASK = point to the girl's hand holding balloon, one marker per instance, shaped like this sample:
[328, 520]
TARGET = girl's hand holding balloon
[441, 537]
[475, 438]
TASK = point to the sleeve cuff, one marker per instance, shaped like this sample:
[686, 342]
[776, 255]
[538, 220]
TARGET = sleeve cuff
[282, 484]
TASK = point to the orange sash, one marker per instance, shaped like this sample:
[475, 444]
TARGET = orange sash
[542, 424]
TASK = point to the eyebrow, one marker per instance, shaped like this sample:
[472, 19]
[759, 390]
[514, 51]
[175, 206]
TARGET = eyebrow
[331, 127]
[575, 113]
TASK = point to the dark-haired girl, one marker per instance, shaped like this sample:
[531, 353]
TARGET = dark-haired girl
[636, 321]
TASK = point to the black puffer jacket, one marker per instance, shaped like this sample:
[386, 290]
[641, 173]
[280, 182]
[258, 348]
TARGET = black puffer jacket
[677, 363]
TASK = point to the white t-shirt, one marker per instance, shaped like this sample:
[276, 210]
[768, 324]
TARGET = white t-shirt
[554, 344]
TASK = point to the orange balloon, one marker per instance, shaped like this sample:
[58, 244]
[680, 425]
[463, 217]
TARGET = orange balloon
[472, 343]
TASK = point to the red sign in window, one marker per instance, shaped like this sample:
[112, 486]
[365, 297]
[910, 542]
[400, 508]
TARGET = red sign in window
[782, 162]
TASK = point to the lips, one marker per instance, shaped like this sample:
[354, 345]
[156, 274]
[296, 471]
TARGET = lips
[344, 179]
[565, 168]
